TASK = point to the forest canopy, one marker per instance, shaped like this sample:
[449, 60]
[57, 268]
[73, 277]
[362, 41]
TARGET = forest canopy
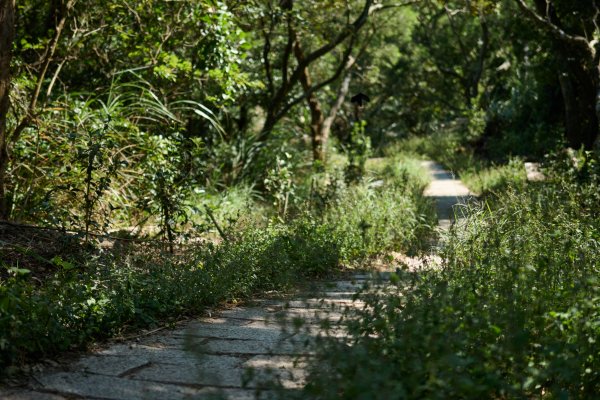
[108, 107]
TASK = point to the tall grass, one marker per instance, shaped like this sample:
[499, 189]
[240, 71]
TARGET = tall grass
[385, 212]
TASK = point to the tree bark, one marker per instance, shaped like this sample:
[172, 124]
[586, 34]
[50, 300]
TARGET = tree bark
[7, 34]
[316, 111]
[579, 77]
[579, 88]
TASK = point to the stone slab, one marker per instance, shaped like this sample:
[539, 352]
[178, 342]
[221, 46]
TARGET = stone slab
[174, 355]
[210, 370]
[110, 365]
[28, 395]
[279, 315]
[248, 347]
[113, 388]
[247, 332]
[290, 372]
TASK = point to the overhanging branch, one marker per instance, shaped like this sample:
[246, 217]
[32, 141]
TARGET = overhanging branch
[557, 32]
[318, 86]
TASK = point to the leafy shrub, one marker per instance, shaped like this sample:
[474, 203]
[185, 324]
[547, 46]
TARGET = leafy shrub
[514, 312]
[140, 285]
[233, 208]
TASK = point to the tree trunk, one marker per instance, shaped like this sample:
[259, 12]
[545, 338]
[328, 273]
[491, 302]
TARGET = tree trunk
[316, 112]
[579, 86]
[341, 96]
[577, 59]
[7, 33]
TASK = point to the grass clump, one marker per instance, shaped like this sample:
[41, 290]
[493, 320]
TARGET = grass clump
[367, 221]
[447, 148]
[514, 312]
[385, 211]
[495, 177]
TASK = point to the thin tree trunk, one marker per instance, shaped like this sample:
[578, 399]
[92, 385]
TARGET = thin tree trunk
[7, 140]
[7, 33]
[579, 91]
[341, 96]
[316, 111]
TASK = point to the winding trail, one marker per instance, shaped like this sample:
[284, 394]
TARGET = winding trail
[212, 357]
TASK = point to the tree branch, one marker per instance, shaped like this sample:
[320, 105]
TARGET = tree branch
[48, 58]
[341, 95]
[350, 30]
[317, 87]
[278, 100]
[557, 32]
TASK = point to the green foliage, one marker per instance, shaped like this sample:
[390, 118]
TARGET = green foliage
[513, 312]
[358, 150]
[444, 145]
[235, 208]
[97, 297]
[107, 163]
[123, 136]
[279, 183]
[480, 176]
[367, 220]
[495, 177]
[384, 212]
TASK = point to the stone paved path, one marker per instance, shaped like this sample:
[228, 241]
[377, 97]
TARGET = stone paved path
[449, 193]
[211, 357]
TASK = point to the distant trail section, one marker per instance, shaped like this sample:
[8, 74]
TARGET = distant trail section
[448, 193]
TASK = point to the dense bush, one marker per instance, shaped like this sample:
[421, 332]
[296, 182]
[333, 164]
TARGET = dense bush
[385, 211]
[367, 221]
[513, 312]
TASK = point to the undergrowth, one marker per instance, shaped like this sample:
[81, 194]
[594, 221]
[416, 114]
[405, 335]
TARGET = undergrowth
[385, 213]
[514, 311]
[140, 287]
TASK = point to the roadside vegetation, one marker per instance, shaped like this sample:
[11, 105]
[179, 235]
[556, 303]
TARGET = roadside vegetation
[63, 298]
[452, 149]
[512, 312]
